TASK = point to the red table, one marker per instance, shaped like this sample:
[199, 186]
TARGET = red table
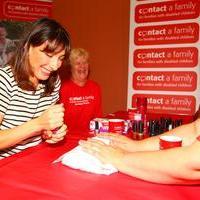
[32, 175]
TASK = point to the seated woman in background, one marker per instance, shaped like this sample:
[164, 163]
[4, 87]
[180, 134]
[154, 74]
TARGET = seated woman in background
[29, 88]
[144, 160]
[81, 97]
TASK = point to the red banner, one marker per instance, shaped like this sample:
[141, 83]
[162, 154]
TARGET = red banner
[166, 57]
[165, 11]
[167, 34]
[21, 10]
[171, 104]
[165, 81]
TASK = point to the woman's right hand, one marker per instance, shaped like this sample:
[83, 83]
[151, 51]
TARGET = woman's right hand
[52, 118]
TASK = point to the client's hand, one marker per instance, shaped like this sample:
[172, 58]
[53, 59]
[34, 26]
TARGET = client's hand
[119, 141]
[105, 153]
[55, 136]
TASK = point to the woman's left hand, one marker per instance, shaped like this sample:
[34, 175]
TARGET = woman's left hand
[54, 136]
[102, 151]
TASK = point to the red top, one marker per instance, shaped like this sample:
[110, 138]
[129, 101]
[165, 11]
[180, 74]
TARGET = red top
[82, 104]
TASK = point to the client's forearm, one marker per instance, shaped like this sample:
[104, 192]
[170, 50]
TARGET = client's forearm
[167, 166]
[187, 132]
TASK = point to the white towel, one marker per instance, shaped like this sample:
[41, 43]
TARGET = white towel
[78, 159]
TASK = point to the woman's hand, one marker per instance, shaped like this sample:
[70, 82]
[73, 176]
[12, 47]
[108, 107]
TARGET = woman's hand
[105, 153]
[120, 141]
[52, 118]
[55, 136]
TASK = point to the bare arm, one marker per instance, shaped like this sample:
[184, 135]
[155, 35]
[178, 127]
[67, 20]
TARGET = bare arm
[15, 135]
[50, 119]
[187, 132]
[173, 166]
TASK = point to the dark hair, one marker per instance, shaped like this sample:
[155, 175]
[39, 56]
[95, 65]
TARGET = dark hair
[43, 30]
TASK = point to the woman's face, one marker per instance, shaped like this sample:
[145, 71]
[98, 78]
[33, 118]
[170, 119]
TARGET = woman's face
[43, 63]
[80, 70]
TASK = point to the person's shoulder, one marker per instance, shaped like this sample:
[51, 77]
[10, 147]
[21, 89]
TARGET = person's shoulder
[6, 72]
[57, 85]
[58, 81]
[6, 68]
[94, 87]
[6, 76]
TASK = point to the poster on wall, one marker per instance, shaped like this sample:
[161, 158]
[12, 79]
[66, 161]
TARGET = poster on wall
[164, 55]
[15, 20]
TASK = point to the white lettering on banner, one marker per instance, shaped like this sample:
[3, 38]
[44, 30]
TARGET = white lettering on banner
[81, 100]
[170, 85]
[184, 54]
[184, 30]
[22, 8]
[151, 55]
[181, 102]
[44, 10]
[182, 78]
[189, 5]
[152, 100]
[152, 32]
[169, 108]
[183, 109]
[154, 9]
[150, 78]
[184, 85]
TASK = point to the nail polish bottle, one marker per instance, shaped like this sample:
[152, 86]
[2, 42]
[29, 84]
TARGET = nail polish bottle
[134, 130]
[140, 131]
[141, 103]
[96, 130]
[153, 127]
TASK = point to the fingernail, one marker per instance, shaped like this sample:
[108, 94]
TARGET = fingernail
[54, 131]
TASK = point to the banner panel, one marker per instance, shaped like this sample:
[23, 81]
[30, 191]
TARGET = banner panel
[16, 18]
[164, 55]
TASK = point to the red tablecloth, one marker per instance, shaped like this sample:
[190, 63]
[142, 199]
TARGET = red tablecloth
[32, 175]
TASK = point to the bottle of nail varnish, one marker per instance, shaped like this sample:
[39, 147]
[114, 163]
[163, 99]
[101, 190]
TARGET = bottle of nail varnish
[134, 130]
[140, 131]
[153, 128]
[141, 103]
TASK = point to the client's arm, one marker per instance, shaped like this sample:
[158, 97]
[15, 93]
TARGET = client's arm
[173, 166]
[187, 132]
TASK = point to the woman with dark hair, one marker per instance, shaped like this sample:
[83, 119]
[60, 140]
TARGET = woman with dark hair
[29, 89]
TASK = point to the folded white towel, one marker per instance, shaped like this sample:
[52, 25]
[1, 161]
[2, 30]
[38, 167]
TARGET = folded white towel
[78, 159]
